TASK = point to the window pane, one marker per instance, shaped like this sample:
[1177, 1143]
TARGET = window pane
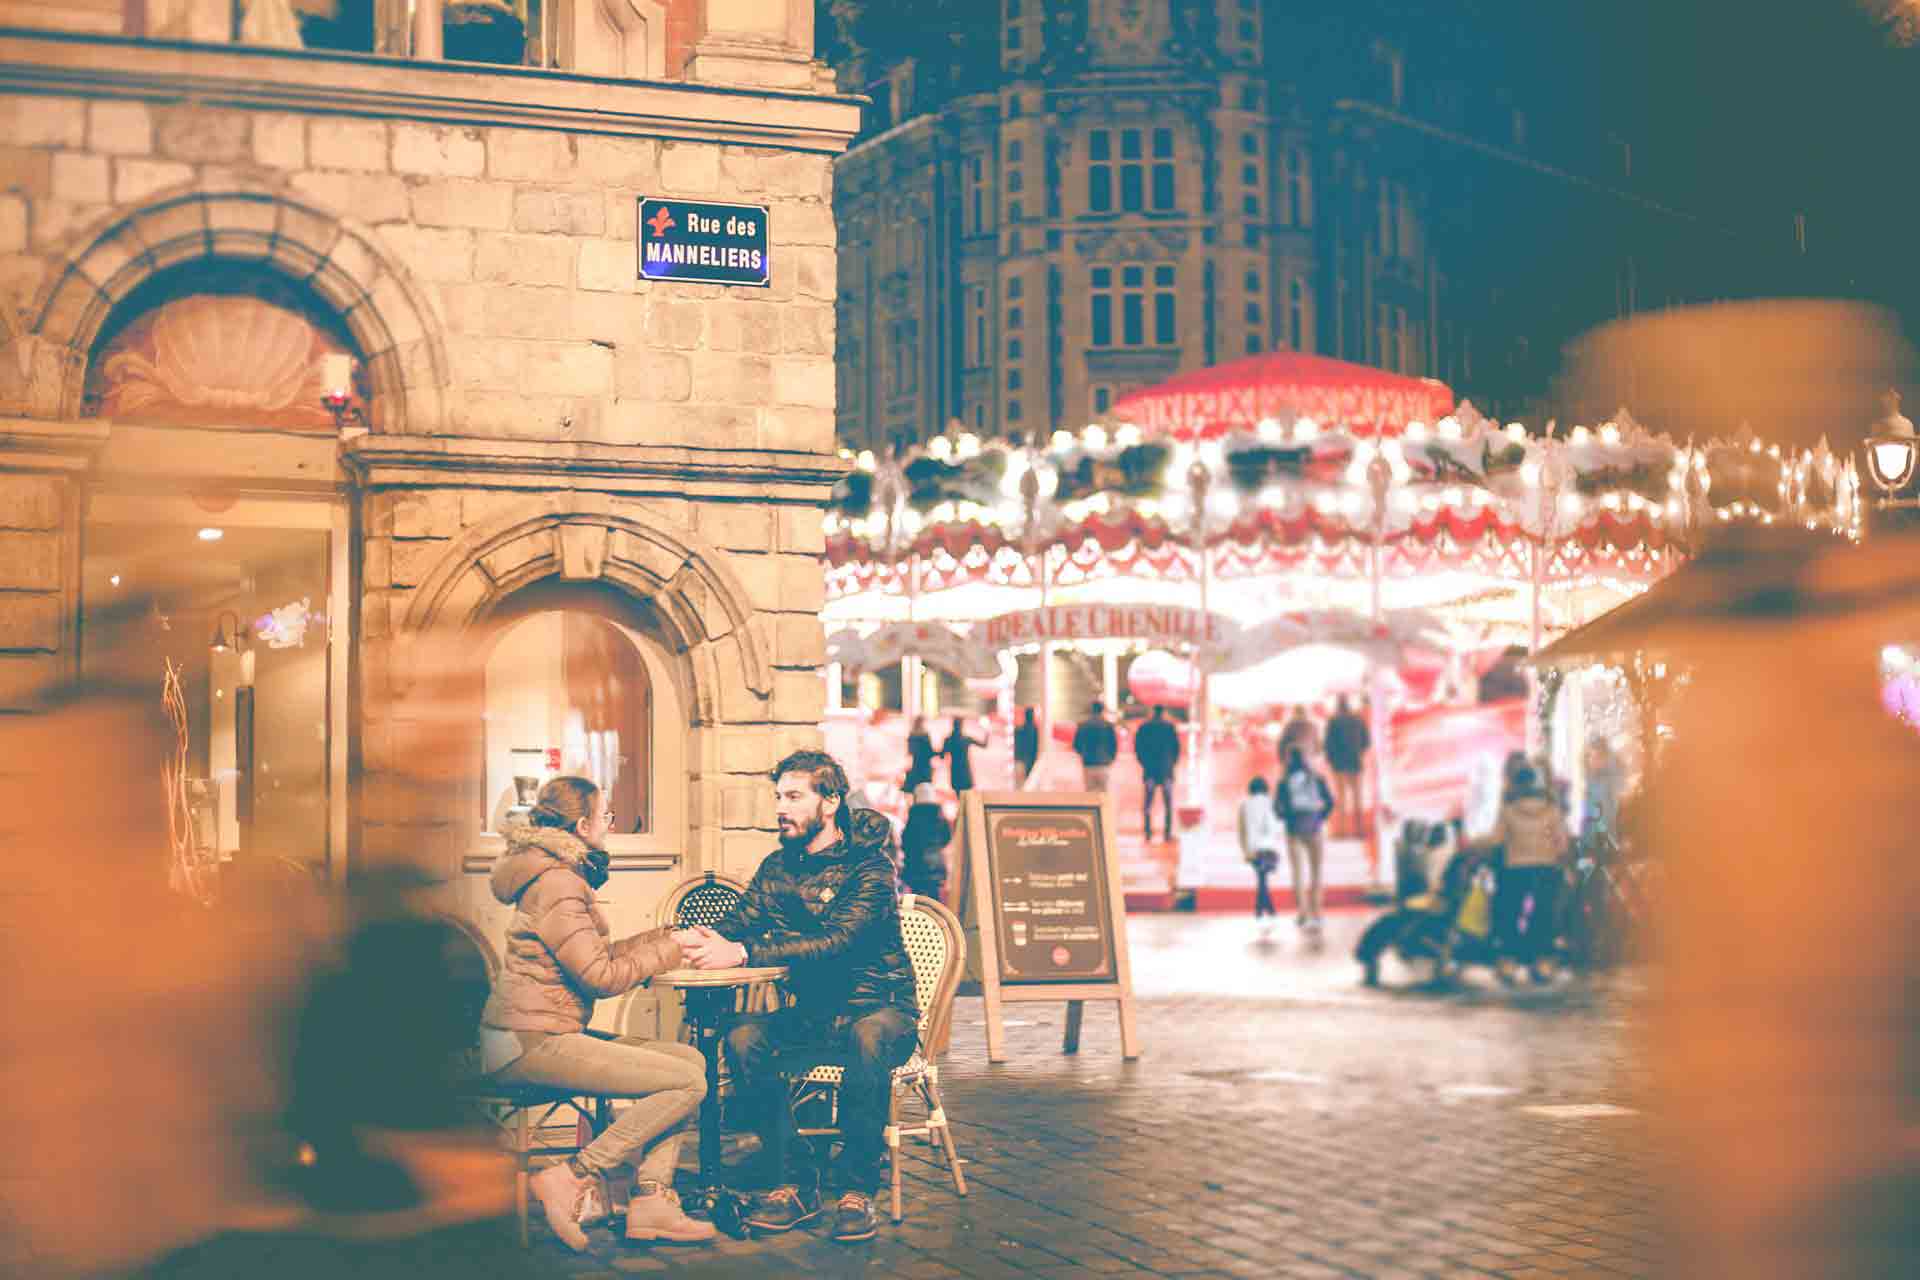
[1102, 320]
[1103, 277]
[1100, 189]
[1013, 379]
[1253, 344]
[1099, 145]
[1129, 144]
[1163, 319]
[1013, 411]
[1250, 205]
[1013, 37]
[1163, 276]
[1253, 282]
[1013, 349]
[1133, 277]
[1163, 144]
[1014, 180]
[1102, 399]
[1015, 316]
[1014, 287]
[1253, 313]
[1132, 320]
[1013, 152]
[1250, 144]
[1130, 188]
[1163, 186]
[1250, 175]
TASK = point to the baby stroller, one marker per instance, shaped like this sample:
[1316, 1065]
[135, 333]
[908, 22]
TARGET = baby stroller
[1443, 927]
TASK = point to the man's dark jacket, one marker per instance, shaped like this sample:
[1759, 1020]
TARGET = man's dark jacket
[1347, 741]
[833, 919]
[1095, 742]
[1157, 743]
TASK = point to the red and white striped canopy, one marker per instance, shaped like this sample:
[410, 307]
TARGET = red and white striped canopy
[1284, 385]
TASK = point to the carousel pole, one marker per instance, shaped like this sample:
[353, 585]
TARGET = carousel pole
[1030, 497]
[1199, 481]
[1379, 482]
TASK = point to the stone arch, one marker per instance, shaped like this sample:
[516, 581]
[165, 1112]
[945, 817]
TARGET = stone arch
[593, 538]
[388, 317]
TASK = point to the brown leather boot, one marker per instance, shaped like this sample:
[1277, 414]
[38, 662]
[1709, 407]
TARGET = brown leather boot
[654, 1213]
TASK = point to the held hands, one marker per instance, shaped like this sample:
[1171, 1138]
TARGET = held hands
[706, 949]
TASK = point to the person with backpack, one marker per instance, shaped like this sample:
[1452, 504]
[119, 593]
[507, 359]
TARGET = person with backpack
[1302, 802]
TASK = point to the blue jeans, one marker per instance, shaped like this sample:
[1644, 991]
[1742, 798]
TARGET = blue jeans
[765, 1050]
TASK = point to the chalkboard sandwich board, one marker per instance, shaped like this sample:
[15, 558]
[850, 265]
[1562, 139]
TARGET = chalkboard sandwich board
[1043, 893]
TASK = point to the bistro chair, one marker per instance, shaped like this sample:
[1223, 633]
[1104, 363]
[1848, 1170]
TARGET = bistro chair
[532, 1121]
[938, 951]
[702, 899]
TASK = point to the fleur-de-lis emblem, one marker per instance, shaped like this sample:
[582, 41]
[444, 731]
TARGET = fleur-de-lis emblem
[660, 221]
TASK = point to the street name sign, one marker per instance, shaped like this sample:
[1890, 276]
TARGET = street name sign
[1042, 906]
[704, 242]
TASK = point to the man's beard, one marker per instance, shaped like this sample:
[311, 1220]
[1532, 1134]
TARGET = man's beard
[805, 833]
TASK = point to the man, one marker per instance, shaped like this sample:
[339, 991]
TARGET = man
[822, 904]
[1347, 742]
[1157, 744]
[1300, 734]
[1026, 749]
[1095, 742]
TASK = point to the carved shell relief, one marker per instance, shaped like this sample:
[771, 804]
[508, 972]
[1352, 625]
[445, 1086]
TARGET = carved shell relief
[247, 357]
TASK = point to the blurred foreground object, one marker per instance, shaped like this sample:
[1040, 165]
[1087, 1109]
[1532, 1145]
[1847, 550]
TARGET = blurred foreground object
[1783, 1041]
[1796, 370]
[235, 1089]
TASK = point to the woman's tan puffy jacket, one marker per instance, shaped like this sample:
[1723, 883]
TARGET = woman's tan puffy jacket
[1533, 830]
[559, 960]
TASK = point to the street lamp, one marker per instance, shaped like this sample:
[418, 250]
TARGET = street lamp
[1891, 454]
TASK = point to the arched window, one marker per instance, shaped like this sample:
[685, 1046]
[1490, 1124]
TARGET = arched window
[571, 688]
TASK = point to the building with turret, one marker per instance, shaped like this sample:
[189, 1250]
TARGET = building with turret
[1087, 196]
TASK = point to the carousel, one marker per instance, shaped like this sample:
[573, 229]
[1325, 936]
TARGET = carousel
[1283, 531]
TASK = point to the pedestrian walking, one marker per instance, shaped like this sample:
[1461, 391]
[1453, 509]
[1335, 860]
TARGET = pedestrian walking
[1095, 742]
[923, 844]
[1533, 832]
[957, 749]
[1348, 740]
[1300, 734]
[1260, 837]
[1157, 744]
[919, 755]
[1606, 782]
[1026, 749]
[1302, 802]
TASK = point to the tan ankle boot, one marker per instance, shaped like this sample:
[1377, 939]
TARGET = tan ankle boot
[654, 1213]
[562, 1196]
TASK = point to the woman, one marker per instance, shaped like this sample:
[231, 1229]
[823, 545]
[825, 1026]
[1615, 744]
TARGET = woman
[1302, 802]
[1259, 841]
[1533, 832]
[534, 1027]
[923, 842]
[919, 755]
[956, 749]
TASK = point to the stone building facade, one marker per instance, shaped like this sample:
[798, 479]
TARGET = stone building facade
[565, 520]
[1108, 192]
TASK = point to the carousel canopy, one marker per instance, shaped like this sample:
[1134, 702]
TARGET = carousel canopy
[1284, 386]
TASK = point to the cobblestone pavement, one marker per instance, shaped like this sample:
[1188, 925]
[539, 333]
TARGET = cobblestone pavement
[1282, 1121]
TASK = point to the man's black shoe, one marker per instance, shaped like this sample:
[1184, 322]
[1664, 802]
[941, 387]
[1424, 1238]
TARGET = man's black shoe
[783, 1209]
[853, 1218]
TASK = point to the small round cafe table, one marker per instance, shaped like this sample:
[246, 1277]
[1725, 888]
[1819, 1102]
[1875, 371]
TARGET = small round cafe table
[711, 996]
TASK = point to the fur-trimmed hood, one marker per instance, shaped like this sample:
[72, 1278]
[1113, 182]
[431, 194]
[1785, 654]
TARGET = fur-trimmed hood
[531, 852]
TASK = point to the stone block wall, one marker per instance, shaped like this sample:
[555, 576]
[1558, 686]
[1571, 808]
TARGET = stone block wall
[519, 244]
[38, 537]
